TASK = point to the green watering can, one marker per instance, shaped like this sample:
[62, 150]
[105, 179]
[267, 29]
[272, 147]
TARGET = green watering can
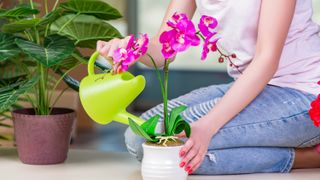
[105, 97]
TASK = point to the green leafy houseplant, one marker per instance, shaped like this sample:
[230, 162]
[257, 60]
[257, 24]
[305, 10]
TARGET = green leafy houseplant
[33, 47]
[37, 53]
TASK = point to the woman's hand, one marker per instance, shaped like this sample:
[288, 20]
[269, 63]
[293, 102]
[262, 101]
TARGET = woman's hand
[106, 49]
[196, 147]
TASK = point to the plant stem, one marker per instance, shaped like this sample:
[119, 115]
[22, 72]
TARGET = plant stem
[32, 7]
[29, 36]
[43, 108]
[221, 53]
[59, 80]
[55, 5]
[158, 75]
[165, 99]
[46, 6]
[57, 99]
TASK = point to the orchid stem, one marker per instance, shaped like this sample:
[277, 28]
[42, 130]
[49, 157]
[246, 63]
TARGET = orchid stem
[165, 98]
[158, 74]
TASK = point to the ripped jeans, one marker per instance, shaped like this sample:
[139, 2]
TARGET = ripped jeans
[260, 139]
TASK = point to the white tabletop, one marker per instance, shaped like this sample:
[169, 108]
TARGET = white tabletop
[94, 165]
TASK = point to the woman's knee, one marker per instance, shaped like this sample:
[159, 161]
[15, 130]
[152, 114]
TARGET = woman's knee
[134, 144]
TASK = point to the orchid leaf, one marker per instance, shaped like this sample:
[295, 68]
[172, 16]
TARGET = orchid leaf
[181, 125]
[139, 131]
[175, 112]
[176, 123]
[150, 126]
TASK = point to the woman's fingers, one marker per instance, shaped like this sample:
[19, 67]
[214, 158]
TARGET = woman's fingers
[104, 49]
[187, 146]
[196, 161]
[194, 168]
[181, 135]
[191, 154]
[114, 45]
[107, 49]
[100, 45]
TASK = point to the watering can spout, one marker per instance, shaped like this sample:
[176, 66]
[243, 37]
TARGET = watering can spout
[123, 118]
[105, 97]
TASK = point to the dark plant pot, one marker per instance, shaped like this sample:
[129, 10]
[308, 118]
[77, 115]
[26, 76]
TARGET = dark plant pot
[43, 140]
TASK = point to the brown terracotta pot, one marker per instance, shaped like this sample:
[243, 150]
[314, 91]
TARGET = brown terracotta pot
[43, 140]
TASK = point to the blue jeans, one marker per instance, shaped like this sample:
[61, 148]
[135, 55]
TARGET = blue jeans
[260, 139]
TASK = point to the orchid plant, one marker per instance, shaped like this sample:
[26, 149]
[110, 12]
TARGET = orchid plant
[179, 38]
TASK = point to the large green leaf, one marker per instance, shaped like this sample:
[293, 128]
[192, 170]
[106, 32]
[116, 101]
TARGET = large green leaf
[20, 25]
[8, 47]
[150, 125]
[17, 12]
[139, 131]
[56, 49]
[51, 17]
[84, 29]
[97, 8]
[11, 94]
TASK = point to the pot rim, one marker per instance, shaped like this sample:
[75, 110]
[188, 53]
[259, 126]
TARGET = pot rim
[159, 147]
[30, 111]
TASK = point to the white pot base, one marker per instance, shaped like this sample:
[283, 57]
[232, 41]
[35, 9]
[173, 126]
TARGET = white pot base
[162, 163]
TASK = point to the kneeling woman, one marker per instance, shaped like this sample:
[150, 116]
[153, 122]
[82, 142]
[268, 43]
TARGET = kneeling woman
[260, 122]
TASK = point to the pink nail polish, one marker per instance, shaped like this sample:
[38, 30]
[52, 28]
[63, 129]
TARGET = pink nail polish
[182, 164]
[190, 172]
[182, 153]
[188, 168]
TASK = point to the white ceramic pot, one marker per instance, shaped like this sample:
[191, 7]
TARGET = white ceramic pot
[162, 163]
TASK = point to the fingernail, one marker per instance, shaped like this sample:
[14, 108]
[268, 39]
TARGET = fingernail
[188, 168]
[190, 172]
[182, 164]
[182, 153]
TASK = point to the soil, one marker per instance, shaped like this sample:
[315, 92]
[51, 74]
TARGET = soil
[170, 143]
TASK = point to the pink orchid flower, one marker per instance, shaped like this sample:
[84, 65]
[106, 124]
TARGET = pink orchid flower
[180, 37]
[207, 24]
[136, 48]
[209, 45]
[166, 39]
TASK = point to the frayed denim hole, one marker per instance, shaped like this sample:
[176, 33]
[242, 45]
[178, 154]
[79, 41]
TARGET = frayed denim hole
[212, 157]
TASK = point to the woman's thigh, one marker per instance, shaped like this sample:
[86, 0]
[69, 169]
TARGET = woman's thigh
[278, 117]
[199, 96]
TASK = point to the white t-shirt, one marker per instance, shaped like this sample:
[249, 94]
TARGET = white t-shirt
[299, 66]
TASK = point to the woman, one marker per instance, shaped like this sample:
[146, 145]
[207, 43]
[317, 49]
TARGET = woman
[260, 122]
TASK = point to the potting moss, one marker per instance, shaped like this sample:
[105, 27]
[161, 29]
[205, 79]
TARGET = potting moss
[169, 143]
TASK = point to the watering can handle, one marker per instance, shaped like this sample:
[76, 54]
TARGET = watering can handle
[91, 62]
